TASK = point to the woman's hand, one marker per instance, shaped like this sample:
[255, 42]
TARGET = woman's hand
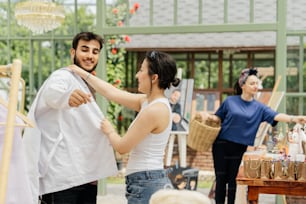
[74, 68]
[205, 116]
[299, 119]
[107, 128]
[79, 71]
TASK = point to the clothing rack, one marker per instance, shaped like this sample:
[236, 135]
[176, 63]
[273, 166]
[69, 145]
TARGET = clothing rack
[6, 73]
[14, 71]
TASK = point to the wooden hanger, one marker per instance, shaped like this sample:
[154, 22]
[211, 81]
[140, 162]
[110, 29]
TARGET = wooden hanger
[28, 123]
[5, 70]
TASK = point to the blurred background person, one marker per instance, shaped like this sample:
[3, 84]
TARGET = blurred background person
[176, 108]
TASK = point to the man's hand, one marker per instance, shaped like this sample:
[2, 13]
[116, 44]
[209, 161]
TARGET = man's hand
[78, 98]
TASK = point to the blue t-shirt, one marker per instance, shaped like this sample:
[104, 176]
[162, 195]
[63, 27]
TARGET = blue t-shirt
[241, 119]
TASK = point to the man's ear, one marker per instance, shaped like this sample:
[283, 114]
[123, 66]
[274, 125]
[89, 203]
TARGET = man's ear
[72, 54]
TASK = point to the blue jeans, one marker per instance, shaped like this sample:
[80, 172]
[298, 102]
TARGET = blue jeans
[140, 186]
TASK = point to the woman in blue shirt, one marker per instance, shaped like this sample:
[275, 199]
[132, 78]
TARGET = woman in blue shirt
[240, 117]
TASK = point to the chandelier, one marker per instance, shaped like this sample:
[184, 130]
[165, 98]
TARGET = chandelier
[39, 15]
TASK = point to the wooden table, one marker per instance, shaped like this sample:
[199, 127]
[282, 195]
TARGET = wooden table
[271, 186]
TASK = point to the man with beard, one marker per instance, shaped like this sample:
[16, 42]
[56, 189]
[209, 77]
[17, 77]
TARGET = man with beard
[66, 152]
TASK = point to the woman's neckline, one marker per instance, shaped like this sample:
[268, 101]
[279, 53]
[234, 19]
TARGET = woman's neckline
[247, 99]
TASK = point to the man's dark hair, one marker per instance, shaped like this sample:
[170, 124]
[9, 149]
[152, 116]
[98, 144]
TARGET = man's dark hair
[87, 36]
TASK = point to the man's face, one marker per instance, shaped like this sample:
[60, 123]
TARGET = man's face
[175, 96]
[86, 54]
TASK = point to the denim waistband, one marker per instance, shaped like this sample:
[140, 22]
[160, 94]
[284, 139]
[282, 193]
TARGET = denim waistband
[144, 175]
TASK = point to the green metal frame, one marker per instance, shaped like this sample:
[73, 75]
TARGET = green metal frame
[279, 27]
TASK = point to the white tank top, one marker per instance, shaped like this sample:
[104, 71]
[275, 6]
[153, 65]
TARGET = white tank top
[149, 154]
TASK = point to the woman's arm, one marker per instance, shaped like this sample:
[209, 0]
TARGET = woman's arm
[153, 119]
[282, 117]
[129, 100]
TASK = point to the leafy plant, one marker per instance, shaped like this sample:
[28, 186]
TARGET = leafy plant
[117, 14]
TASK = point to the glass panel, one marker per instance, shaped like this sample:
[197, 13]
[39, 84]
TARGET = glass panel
[62, 53]
[296, 105]
[3, 18]
[265, 61]
[20, 49]
[292, 70]
[181, 62]
[69, 23]
[206, 70]
[233, 63]
[4, 52]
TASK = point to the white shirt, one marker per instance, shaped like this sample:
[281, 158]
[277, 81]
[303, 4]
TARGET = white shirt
[18, 184]
[67, 147]
[149, 154]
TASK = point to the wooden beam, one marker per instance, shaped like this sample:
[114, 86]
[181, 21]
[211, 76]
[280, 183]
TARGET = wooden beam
[9, 130]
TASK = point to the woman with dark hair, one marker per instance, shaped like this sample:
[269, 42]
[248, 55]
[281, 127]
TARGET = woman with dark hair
[240, 117]
[148, 134]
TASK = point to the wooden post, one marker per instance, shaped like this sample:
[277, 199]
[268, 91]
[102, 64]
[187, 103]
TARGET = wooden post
[9, 129]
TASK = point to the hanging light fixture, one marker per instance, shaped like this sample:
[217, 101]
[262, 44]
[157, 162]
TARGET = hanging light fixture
[39, 15]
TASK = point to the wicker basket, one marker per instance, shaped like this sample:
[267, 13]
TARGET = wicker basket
[202, 134]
